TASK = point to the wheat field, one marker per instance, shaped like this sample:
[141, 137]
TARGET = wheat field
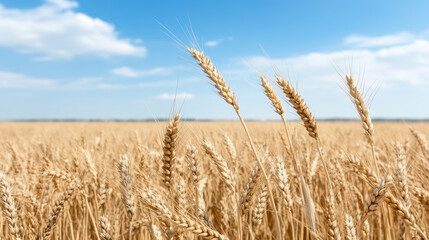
[217, 180]
[95, 180]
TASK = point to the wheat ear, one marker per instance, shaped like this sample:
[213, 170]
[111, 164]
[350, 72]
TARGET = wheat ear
[422, 141]
[181, 221]
[181, 192]
[250, 190]
[401, 174]
[9, 209]
[155, 232]
[212, 73]
[271, 94]
[260, 205]
[231, 151]
[361, 170]
[126, 185]
[300, 107]
[362, 109]
[403, 212]
[57, 210]
[221, 165]
[105, 229]
[365, 230]
[376, 197]
[169, 150]
[200, 208]
[392, 201]
[283, 183]
[422, 195]
[401, 182]
[349, 228]
[331, 218]
[226, 176]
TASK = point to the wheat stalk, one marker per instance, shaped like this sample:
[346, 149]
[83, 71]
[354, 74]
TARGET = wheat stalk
[307, 118]
[309, 210]
[226, 93]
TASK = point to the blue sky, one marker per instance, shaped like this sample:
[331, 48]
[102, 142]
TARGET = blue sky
[63, 59]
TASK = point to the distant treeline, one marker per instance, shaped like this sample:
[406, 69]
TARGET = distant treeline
[217, 120]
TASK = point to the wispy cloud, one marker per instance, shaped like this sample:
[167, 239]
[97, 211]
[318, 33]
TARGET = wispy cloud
[63, 4]
[129, 72]
[91, 83]
[177, 96]
[9, 80]
[56, 30]
[125, 72]
[379, 41]
[158, 84]
[214, 43]
[407, 63]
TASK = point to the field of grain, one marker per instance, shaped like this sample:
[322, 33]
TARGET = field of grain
[181, 180]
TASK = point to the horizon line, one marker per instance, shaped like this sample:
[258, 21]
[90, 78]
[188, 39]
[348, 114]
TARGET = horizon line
[205, 120]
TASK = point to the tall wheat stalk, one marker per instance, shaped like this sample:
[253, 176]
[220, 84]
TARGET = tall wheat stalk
[363, 111]
[306, 116]
[228, 95]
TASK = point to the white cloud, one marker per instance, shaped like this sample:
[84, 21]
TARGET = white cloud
[157, 84]
[177, 96]
[214, 43]
[125, 72]
[10, 80]
[379, 41]
[55, 30]
[129, 72]
[407, 63]
[137, 41]
[63, 4]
